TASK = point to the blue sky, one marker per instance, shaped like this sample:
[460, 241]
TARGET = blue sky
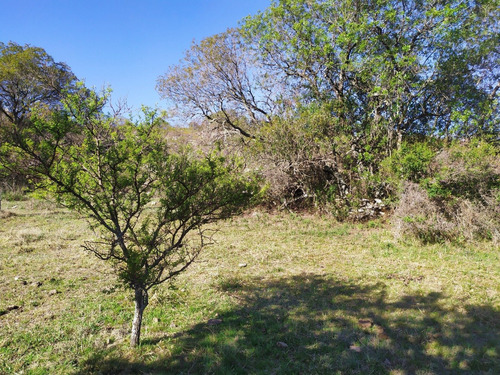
[124, 44]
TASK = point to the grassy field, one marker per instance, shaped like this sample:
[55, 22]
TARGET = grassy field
[277, 294]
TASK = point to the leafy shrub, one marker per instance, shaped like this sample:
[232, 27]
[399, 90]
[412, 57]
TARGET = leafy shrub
[308, 161]
[433, 220]
[409, 163]
[297, 157]
[460, 201]
[469, 170]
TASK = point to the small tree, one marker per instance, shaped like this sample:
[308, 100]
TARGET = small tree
[149, 205]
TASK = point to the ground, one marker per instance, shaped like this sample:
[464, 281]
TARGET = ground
[276, 294]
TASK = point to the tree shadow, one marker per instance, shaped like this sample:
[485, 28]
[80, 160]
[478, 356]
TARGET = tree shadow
[312, 324]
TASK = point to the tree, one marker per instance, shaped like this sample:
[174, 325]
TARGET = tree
[220, 81]
[30, 77]
[149, 206]
[396, 67]
[355, 79]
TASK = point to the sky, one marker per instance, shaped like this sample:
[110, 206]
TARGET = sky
[123, 44]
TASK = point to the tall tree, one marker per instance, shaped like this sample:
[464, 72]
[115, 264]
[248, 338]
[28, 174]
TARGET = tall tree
[29, 77]
[403, 66]
[220, 81]
[354, 79]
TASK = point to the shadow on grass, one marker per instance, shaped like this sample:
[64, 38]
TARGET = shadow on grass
[314, 325]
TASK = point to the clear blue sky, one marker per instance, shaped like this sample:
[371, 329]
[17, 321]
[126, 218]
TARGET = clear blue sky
[125, 44]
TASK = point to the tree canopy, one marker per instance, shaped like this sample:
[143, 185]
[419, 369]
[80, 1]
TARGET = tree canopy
[30, 77]
[328, 89]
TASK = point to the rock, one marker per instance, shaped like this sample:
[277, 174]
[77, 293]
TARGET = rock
[12, 307]
[355, 348]
[21, 280]
[365, 323]
[381, 333]
[36, 284]
[214, 322]
[241, 265]
[156, 320]
[53, 292]
[281, 344]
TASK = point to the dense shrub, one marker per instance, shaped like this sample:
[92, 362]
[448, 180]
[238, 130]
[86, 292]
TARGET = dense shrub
[467, 169]
[458, 201]
[410, 162]
[433, 220]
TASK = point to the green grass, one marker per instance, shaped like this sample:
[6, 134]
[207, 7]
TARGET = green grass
[345, 299]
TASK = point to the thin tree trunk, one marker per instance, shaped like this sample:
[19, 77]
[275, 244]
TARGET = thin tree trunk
[400, 139]
[141, 301]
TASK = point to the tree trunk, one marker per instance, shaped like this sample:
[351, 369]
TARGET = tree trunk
[400, 139]
[141, 301]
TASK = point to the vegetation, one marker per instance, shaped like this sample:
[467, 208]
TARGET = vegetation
[353, 109]
[29, 78]
[388, 307]
[458, 195]
[325, 91]
[143, 200]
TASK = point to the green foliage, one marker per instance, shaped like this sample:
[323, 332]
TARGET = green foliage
[458, 199]
[29, 77]
[329, 89]
[149, 206]
[403, 68]
[410, 163]
[114, 172]
[465, 169]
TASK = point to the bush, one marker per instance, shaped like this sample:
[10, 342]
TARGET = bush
[297, 159]
[433, 220]
[480, 219]
[469, 170]
[409, 163]
[418, 216]
[459, 198]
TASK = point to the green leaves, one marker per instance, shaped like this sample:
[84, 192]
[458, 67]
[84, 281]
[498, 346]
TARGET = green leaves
[148, 205]
[30, 77]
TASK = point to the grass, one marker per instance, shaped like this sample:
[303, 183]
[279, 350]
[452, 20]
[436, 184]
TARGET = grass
[315, 297]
